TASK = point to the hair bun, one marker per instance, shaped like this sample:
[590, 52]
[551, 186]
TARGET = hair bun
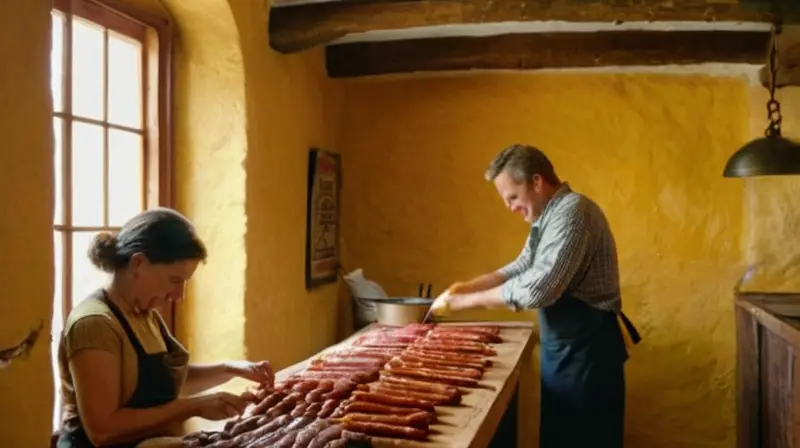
[103, 251]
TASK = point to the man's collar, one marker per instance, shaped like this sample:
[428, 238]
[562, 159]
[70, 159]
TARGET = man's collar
[562, 190]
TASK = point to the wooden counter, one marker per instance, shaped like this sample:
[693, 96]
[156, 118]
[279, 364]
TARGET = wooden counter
[474, 423]
[768, 370]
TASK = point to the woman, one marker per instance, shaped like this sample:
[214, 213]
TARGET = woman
[124, 377]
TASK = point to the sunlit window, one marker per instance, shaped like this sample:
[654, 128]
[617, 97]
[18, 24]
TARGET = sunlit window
[101, 148]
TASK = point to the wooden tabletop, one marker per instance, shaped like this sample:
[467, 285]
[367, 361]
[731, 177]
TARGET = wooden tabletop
[471, 424]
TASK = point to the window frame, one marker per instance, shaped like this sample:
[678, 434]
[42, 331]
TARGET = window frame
[156, 31]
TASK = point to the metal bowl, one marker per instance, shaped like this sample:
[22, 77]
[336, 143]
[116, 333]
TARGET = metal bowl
[401, 310]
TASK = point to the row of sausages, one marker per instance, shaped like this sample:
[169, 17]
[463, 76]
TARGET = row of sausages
[420, 372]
[387, 384]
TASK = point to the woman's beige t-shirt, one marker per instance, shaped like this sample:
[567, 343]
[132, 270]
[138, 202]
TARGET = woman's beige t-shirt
[92, 325]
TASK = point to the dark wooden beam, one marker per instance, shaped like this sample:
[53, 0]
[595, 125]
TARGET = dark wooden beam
[788, 73]
[296, 27]
[547, 50]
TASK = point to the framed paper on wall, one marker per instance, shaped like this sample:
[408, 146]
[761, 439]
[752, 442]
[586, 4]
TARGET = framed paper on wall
[322, 218]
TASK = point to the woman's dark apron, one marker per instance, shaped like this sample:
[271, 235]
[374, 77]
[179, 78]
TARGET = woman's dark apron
[582, 376]
[155, 386]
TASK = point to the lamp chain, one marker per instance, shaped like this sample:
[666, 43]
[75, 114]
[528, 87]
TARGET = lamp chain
[773, 106]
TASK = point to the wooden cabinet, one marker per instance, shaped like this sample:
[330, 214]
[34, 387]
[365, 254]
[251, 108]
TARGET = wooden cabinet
[768, 371]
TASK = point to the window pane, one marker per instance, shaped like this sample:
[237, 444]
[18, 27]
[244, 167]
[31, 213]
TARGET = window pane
[85, 277]
[87, 174]
[87, 69]
[58, 149]
[124, 176]
[124, 81]
[56, 61]
[58, 320]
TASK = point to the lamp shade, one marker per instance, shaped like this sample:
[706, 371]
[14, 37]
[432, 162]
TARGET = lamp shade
[766, 156]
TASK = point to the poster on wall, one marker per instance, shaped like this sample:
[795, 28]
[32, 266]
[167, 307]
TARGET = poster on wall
[322, 218]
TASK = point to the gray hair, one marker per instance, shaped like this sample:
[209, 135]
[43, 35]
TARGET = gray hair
[522, 162]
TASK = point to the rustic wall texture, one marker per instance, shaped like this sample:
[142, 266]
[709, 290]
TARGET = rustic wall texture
[648, 148]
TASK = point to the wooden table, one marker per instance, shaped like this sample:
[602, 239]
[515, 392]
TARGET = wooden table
[475, 422]
[768, 370]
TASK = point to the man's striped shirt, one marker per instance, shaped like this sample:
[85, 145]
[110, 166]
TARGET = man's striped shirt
[570, 249]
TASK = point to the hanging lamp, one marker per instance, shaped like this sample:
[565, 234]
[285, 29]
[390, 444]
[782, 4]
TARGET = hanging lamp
[771, 155]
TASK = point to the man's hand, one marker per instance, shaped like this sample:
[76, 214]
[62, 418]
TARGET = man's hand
[441, 306]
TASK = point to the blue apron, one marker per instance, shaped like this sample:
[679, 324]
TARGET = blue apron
[582, 375]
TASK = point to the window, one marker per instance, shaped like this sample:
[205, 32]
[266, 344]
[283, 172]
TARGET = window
[111, 146]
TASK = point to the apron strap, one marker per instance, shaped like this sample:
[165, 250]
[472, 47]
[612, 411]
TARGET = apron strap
[632, 332]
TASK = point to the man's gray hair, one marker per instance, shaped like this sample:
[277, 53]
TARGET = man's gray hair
[522, 162]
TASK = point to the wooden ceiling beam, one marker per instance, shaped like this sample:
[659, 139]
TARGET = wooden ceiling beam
[297, 27]
[547, 51]
[788, 73]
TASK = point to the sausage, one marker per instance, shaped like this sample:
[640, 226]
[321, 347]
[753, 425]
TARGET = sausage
[376, 408]
[315, 395]
[365, 353]
[288, 439]
[444, 370]
[428, 375]
[269, 439]
[447, 356]
[328, 434]
[411, 357]
[285, 405]
[338, 443]
[327, 408]
[305, 387]
[384, 430]
[468, 334]
[354, 360]
[436, 399]
[313, 409]
[244, 438]
[248, 424]
[299, 409]
[356, 377]
[356, 438]
[339, 411]
[393, 400]
[341, 390]
[420, 385]
[416, 420]
[309, 432]
[344, 368]
[447, 347]
[268, 402]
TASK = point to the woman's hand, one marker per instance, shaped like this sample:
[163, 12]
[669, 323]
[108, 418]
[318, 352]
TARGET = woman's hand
[259, 372]
[221, 405]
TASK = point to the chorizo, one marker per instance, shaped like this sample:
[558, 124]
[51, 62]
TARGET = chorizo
[432, 376]
[376, 408]
[268, 402]
[309, 432]
[384, 430]
[421, 385]
[328, 434]
[416, 420]
[393, 400]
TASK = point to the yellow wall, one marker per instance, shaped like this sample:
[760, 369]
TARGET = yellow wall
[773, 206]
[649, 149]
[26, 235]
[246, 118]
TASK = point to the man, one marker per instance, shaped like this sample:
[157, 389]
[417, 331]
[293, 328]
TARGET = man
[568, 271]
